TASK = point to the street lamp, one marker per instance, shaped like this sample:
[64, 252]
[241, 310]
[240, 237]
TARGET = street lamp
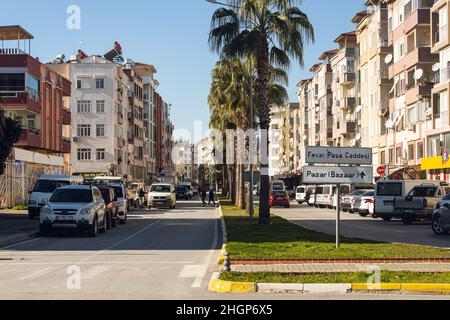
[251, 121]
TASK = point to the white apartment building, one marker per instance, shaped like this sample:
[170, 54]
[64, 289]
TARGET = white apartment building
[275, 136]
[98, 105]
[184, 160]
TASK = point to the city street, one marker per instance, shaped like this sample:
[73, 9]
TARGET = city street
[159, 254]
[355, 226]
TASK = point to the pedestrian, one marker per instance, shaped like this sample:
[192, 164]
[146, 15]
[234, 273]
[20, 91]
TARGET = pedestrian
[203, 195]
[141, 197]
[212, 198]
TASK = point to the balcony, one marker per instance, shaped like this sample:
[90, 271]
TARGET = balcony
[14, 98]
[414, 93]
[66, 117]
[120, 143]
[348, 78]
[11, 51]
[120, 118]
[30, 138]
[347, 128]
[347, 103]
[418, 55]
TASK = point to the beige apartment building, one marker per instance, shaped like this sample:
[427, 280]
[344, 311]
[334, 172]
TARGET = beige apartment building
[344, 88]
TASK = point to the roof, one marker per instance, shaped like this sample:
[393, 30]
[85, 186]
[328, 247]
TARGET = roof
[58, 177]
[14, 33]
[145, 70]
[360, 16]
[328, 53]
[81, 187]
[345, 35]
[314, 67]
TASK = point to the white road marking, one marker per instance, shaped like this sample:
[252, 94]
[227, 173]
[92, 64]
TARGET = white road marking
[94, 263]
[20, 244]
[37, 274]
[95, 272]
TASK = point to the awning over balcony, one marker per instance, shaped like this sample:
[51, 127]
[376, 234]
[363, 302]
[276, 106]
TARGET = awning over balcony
[8, 33]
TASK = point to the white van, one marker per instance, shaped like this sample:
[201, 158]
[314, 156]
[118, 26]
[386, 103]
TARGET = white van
[326, 198]
[387, 191]
[44, 188]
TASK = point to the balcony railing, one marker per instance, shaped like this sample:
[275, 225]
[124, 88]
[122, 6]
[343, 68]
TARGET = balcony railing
[11, 51]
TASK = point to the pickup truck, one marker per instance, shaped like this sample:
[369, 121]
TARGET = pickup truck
[420, 203]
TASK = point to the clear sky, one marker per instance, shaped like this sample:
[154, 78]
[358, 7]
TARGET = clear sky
[171, 34]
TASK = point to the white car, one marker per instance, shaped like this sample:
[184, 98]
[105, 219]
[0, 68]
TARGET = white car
[75, 208]
[364, 204]
[301, 195]
[162, 195]
[122, 201]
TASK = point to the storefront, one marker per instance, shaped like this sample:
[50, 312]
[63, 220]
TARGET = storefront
[438, 168]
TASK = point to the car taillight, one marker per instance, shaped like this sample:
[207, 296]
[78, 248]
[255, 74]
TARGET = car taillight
[369, 201]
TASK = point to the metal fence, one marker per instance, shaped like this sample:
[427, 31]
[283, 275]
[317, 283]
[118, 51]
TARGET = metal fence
[19, 179]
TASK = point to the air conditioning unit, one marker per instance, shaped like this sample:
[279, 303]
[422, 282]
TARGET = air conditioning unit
[76, 139]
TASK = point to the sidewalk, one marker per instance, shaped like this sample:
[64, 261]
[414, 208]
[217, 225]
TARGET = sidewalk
[342, 268]
[15, 227]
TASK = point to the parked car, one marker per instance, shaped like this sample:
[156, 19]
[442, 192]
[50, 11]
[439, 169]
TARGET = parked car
[302, 195]
[122, 201]
[182, 193]
[441, 219]
[348, 201]
[277, 185]
[318, 195]
[44, 188]
[364, 203]
[387, 191]
[420, 202]
[279, 199]
[325, 199]
[189, 188]
[112, 207]
[75, 207]
[162, 195]
[311, 197]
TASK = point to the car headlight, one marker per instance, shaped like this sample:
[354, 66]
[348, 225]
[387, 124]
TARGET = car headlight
[85, 212]
[32, 203]
[46, 211]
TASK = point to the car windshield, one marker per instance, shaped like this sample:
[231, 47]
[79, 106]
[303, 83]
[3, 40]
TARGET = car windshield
[49, 186]
[71, 196]
[423, 192]
[389, 189]
[118, 191]
[368, 194]
[278, 186]
[181, 189]
[278, 193]
[358, 192]
[300, 190]
[160, 189]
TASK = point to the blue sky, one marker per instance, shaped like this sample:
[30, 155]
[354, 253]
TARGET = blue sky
[172, 35]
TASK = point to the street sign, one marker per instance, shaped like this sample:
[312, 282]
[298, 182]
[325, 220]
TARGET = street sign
[381, 171]
[332, 155]
[338, 175]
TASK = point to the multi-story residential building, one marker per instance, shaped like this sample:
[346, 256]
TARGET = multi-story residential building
[344, 88]
[305, 119]
[136, 163]
[150, 86]
[99, 104]
[438, 121]
[374, 82]
[38, 96]
[184, 162]
[275, 136]
[411, 68]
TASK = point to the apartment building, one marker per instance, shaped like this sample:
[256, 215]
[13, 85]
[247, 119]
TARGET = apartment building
[411, 69]
[39, 97]
[344, 88]
[438, 133]
[374, 82]
[99, 103]
[275, 136]
[184, 162]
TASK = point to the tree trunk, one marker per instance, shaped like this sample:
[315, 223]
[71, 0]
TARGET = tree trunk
[233, 184]
[242, 187]
[225, 184]
[264, 117]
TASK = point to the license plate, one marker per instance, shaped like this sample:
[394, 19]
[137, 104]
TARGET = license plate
[409, 211]
[160, 202]
[389, 203]
[63, 218]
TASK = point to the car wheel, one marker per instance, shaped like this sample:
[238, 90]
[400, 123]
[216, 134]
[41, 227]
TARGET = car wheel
[387, 219]
[351, 211]
[93, 229]
[344, 210]
[109, 222]
[104, 228]
[363, 214]
[437, 226]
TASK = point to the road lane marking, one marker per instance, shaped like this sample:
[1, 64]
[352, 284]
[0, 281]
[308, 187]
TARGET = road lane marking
[96, 263]
[95, 272]
[37, 274]
[20, 244]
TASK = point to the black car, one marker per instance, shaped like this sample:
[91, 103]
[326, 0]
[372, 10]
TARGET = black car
[182, 193]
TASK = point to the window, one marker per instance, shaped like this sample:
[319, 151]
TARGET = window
[391, 156]
[83, 106]
[78, 84]
[420, 151]
[83, 83]
[100, 106]
[412, 115]
[12, 82]
[399, 155]
[84, 154]
[100, 83]
[100, 154]
[84, 130]
[444, 108]
[383, 157]
[100, 130]
[411, 154]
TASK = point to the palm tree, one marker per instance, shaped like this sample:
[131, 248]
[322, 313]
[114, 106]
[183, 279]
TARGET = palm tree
[274, 32]
[229, 102]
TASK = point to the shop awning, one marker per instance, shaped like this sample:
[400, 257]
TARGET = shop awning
[435, 163]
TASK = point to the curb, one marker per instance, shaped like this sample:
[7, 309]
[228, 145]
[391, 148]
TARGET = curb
[18, 239]
[222, 256]
[220, 286]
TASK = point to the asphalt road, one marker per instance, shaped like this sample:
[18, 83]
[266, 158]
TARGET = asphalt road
[159, 254]
[355, 226]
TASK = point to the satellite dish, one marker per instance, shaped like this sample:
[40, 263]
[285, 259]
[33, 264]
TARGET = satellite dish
[318, 109]
[389, 124]
[388, 58]
[358, 109]
[436, 67]
[352, 143]
[305, 138]
[349, 117]
[358, 137]
[429, 112]
[418, 74]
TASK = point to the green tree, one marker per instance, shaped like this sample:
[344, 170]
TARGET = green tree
[10, 131]
[274, 32]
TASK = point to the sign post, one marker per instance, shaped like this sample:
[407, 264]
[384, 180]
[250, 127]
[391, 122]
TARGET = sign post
[351, 166]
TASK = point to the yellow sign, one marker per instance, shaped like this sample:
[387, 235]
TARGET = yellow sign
[436, 163]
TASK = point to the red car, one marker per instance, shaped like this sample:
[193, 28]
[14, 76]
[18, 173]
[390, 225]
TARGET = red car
[279, 199]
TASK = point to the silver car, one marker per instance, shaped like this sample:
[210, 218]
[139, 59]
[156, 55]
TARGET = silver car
[441, 217]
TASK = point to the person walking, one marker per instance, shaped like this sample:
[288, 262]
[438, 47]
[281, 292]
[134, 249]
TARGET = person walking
[203, 195]
[212, 198]
[141, 198]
